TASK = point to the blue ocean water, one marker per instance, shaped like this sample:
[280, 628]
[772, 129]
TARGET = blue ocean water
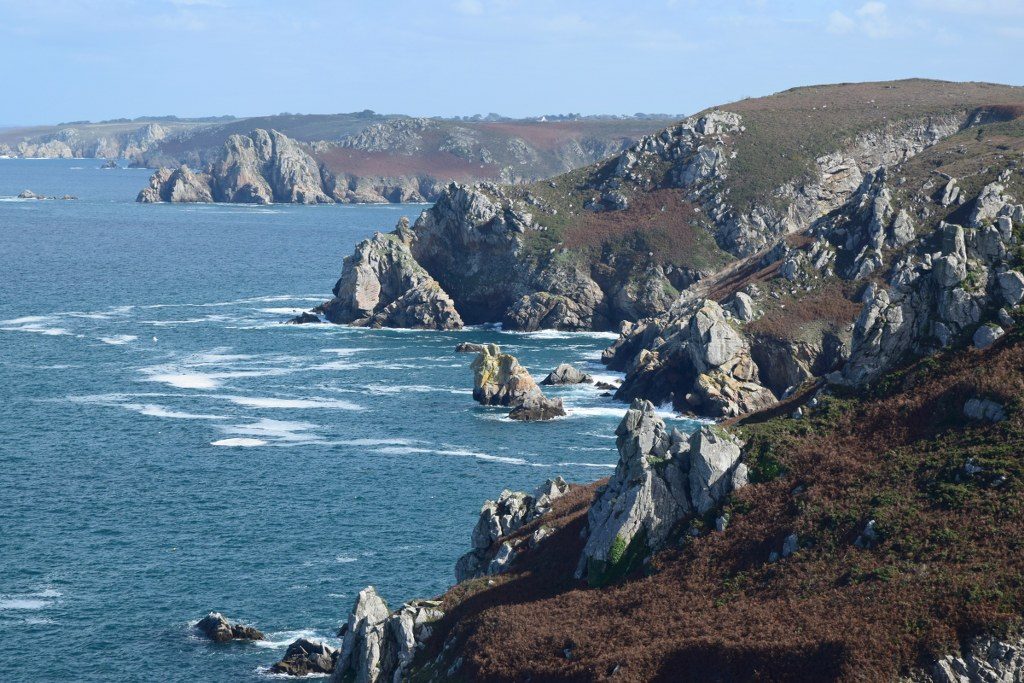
[168, 447]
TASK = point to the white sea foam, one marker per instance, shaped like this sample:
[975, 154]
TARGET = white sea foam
[119, 339]
[345, 559]
[404, 450]
[401, 388]
[292, 403]
[245, 443]
[154, 410]
[283, 311]
[501, 458]
[379, 442]
[278, 430]
[32, 323]
[282, 639]
[187, 380]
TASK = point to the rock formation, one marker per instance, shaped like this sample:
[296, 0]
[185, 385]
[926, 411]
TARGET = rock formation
[262, 167]
[697, 359]
[661, 479]
[306, 657]
[180, 185]
[382, 285]
[567, 374]
[499, 380]
[379, 645]
[984, 658]
[501, 518]
[218, 629]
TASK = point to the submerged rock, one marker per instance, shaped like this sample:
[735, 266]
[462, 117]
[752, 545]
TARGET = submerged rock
[304, 657]
[661, 479]
[217, 628]
[304, 318]
[538, 408]
[567, 374]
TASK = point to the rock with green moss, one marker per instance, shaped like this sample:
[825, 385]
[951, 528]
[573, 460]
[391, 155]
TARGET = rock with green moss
[662, 478]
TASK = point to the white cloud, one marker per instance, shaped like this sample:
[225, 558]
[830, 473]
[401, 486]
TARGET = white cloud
[840, 23]
[988, 8]
[871, 19]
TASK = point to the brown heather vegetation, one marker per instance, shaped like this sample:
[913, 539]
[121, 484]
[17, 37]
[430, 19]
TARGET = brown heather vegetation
[950, 562]
[828, 307]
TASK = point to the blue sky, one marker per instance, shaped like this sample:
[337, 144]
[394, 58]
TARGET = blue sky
[94, 59]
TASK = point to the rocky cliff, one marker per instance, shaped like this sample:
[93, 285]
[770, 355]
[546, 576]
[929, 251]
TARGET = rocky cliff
[262, 167]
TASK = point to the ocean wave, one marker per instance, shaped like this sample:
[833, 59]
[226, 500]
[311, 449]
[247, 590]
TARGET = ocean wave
[587, 464]
[281, 639]
[29, 602]
[283, 311]
[379, 442]
[345, 559]
[119, 339]
[186, 380]
[292, 403]
[153, 410]
[37, 324]
[241, 442]
[277, 430]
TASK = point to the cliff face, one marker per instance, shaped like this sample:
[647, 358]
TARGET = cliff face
[692, 219]
[262, 167]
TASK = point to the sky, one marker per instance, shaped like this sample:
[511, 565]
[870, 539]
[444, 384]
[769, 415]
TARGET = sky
[67, 60]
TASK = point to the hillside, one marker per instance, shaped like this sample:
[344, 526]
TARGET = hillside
[941, 564]
[704, 200]
[364, 156]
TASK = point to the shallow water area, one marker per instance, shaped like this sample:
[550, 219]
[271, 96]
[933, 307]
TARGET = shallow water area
[169, 447]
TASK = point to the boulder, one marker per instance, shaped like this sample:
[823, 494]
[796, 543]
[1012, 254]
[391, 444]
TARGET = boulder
[984, 410]
[743, 307]
[662, 478]
[567, 374]
[304, 318]
[987, 335]
[988, 205]
[1011, 286]
[306, 657]
[382, 285]
[469, 347]
[537, 408]
[217, 628]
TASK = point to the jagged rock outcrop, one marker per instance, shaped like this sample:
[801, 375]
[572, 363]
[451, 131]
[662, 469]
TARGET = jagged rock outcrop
[379, 645]
[499, 380]
[262, 167]
[306, 657]
[661, 479]
[499, 519]
[983, 659]
[217, 628]
[567, 374]
[698, 360]
[469, 347]
[179, 185]
[382, 285]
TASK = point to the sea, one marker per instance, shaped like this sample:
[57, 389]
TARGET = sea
[168, 446]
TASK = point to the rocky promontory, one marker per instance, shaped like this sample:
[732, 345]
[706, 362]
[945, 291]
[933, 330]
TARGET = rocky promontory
[382, 285]
[262, 167]
[217, 628]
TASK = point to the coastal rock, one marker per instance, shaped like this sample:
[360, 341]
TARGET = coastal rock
[364, 644]
[983, 658]
[988, 204]
[500, 518]
[179, 185]
[304, 318]
[1011, 285]
[698, 360]
[468, 347]
[499, 379]
[661, 479]
[567, 374]
[217, 628]
[305, 657]
[265, 167]
[382, 285]
[109, 164]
